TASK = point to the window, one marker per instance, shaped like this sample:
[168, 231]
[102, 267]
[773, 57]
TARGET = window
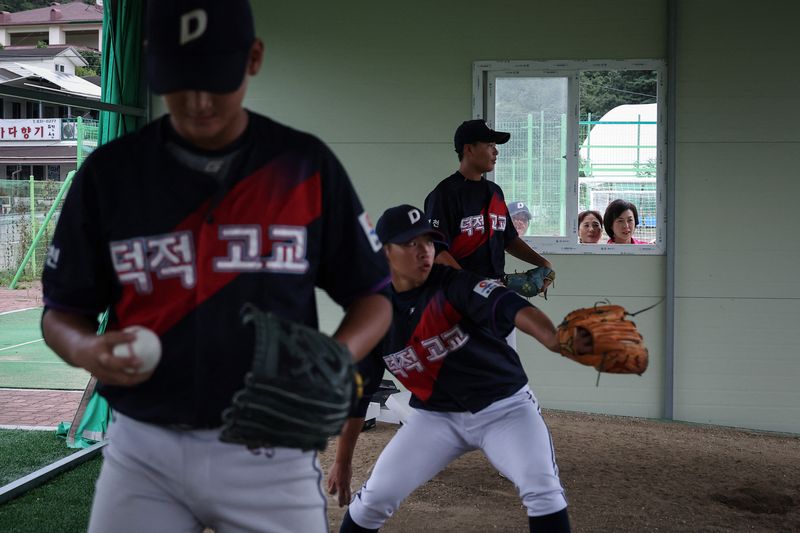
[583, 134]
[54, 172]
[31, 109]
[18, 172]
[24, 172]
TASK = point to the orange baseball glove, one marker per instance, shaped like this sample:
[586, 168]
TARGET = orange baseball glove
[617, 346]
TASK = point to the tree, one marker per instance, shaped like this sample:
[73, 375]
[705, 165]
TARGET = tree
[95, 66]
[601, 91]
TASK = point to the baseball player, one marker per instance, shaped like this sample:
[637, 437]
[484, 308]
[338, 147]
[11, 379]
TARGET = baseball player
[175, 227]
[468, 387]
[520, 216]
[471, 211]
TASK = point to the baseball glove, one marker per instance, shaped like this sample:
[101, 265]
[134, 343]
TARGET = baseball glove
[298, 392]
[617, 344]
[530, 283]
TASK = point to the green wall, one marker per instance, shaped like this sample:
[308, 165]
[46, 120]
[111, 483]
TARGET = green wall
[738, 296]
[385, 85]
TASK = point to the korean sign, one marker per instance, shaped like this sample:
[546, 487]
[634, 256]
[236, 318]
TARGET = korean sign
[31, 129]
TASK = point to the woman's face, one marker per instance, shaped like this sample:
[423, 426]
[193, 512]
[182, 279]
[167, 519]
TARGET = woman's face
[590, 230]
[624, 226]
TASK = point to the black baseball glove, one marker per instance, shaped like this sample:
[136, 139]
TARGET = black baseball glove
[299, 391]
[531, 282]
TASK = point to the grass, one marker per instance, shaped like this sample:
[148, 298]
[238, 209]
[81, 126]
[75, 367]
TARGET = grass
[62, 504]
[23, 452]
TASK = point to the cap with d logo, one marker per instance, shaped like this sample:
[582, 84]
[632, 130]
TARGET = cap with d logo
[402, 223]
[197, 45]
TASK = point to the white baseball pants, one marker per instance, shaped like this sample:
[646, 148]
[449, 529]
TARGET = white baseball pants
[510, 432]
[156, 479]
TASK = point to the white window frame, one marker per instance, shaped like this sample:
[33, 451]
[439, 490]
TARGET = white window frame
[483, 75]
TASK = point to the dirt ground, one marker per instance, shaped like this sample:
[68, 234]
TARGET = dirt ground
[27, 294]
[620, 474]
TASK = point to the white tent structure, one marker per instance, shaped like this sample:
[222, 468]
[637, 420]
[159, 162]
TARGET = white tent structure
[623, 142]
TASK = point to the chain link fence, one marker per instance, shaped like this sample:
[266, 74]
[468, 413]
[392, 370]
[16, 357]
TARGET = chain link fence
[29, 211]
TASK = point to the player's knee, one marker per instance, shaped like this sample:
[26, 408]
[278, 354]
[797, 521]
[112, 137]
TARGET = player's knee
[371, 510]
[543, 502]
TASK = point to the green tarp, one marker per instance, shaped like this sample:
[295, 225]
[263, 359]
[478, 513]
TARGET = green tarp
[121, 83]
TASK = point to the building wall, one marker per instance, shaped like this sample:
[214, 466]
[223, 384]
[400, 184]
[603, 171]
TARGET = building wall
[738, 295]
[69, 66]
[386, 84]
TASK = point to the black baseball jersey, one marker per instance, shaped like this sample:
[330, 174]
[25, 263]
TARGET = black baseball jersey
[474, 217]
[180, 251]
[447, 343]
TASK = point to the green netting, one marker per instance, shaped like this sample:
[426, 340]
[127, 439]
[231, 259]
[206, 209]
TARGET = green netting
[24, 208]
[25, 204]
[87, 138]
[531, 168]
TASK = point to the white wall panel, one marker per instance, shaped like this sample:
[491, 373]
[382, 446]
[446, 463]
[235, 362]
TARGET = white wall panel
[736, 220]
[737, 362]
[737, 78]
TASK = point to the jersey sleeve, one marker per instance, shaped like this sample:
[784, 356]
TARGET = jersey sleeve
[485, 302]
[439, 216]
[77, 275]
[352, 263]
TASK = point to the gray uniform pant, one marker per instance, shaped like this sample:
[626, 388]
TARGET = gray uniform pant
[156, 479]
[510, 432]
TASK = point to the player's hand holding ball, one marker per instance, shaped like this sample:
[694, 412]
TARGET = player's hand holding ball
[146, 346]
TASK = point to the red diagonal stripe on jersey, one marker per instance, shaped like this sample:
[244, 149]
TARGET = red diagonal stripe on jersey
[266, 197]
[464, 244]
[438, 317]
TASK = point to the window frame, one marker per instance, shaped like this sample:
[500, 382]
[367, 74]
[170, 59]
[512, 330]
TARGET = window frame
[483, 75]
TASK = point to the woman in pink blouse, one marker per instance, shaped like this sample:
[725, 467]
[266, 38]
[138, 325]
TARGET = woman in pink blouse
[620, 221]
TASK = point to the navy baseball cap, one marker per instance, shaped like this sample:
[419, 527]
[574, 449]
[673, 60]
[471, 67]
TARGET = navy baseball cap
[472, 131]
[197, 45]
[519, 208]
[402, 223]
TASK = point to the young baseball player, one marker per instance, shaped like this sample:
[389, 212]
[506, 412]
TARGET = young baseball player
[468, 387]
[471, 211]
[176, 227]
[520, 216]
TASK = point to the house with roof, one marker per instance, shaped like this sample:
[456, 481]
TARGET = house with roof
[38, 131]
[74, 24]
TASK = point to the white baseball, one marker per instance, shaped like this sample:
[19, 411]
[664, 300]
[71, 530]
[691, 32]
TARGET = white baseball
[146, 346]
